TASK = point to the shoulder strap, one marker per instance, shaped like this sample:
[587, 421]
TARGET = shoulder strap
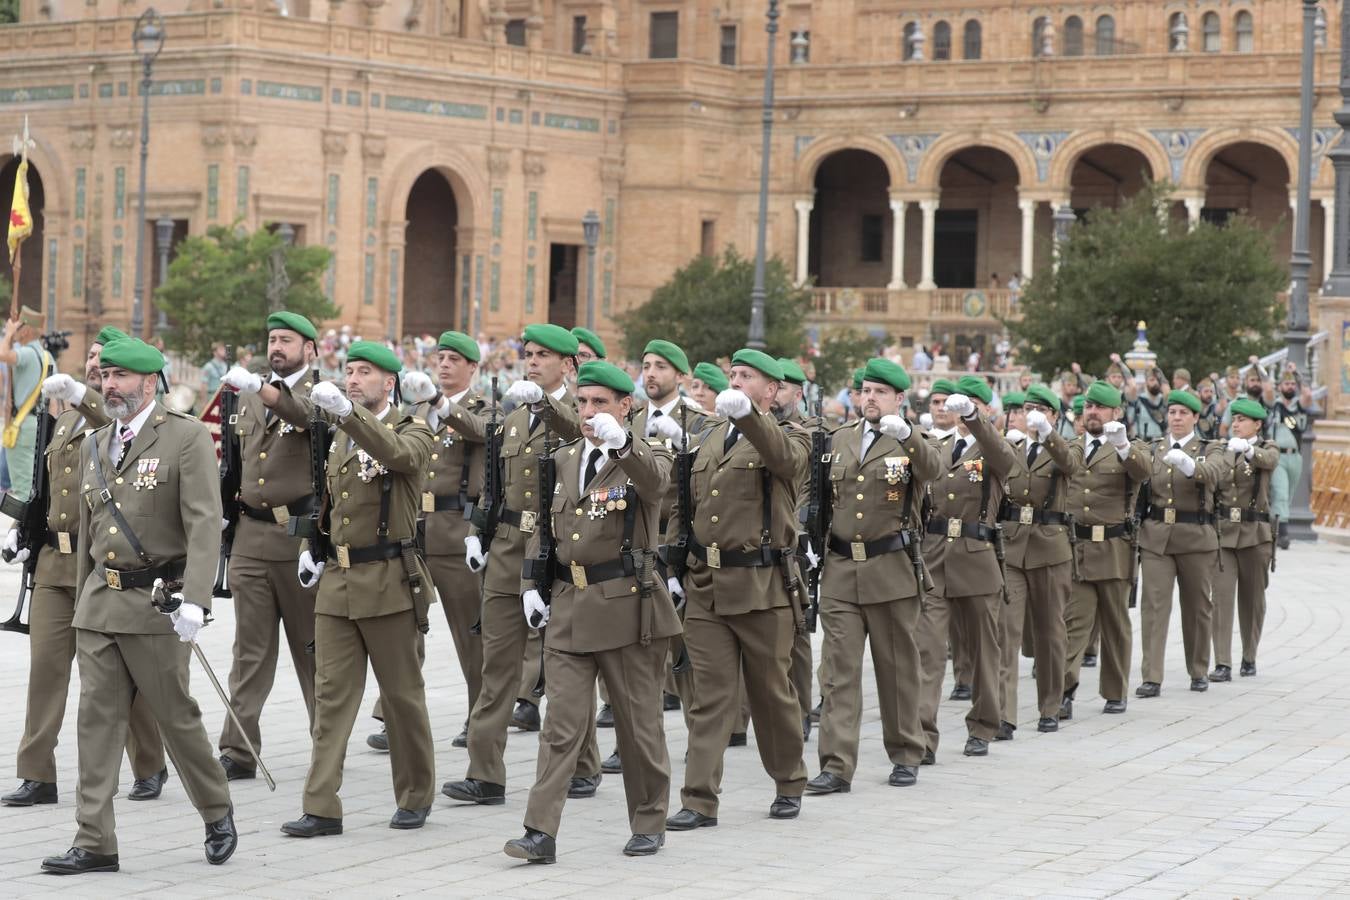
[105, 496]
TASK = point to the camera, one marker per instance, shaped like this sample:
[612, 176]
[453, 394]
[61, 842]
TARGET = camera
[56, 341]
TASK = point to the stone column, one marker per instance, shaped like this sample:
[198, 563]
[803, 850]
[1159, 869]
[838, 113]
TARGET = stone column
[1328, 236]
[929, 208]
[1193, 207]
[1028, 208]
[803, 208]
[897, 246]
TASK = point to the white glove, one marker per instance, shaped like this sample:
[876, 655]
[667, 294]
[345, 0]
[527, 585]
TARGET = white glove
[676, 591]
[242, 380]
[960, 404]
[309, 571]
[536, 611]
[12, 545]
[417, 387]
[926, 421]
[62, 387]
[1115, 435]
[732, 404]
[1241, 445]
[608, 431]
[812, 558]
[524, 391]
[1180, 460]
[895, 426]
[187, 620]
[224, 523]
[473, 553]
[328, 398]
[1014, 436]
[667, 427]
[1039, 422]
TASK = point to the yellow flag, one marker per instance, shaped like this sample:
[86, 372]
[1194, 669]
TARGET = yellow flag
[20, 218]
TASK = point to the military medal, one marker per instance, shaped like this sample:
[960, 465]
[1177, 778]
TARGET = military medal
[974, 469]
[892, 496]
[897, 469]
[368, 467]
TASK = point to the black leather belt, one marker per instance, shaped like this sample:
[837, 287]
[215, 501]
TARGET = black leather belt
[860, 551]
[443, 502]
[1031, 515]
[125, 580]
[735, 559]
[302, 507]
[584, 576]
[954, 528]
[524, 521]
[1098, 533]
[1240, 514]
[347, 557]
[1179, 517]
[69, 545]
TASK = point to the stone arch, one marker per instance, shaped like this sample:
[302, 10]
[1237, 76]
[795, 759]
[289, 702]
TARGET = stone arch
[819, 150]
[1194, 170]
[1073, 148]
[947, 146]
[465, 176]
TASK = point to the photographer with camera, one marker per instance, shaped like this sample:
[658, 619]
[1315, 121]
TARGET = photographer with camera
[22, 351]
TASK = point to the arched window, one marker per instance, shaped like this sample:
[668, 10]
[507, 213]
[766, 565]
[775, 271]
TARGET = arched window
[913, 42]
[971, 40]
[1073, 36]
[1106, 36]
[942, 41]
[1178, 33]
[1038, 35]
[1242, 32]
[1209, 27]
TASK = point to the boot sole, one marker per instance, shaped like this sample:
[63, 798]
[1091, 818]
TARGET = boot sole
[517, 853]
[20, 803]
[115, 867]
[465, 798]
[841, 789]
[322, 832]
[707, 823]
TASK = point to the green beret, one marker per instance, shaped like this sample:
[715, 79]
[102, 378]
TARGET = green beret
[590, 339]
[1184, 398]
[107, 334]
[1039, 393]
[1248, 407]
[461, 343]
[1078, 403]
[294, 322]
[791, 371]
[1102, 394]
[1014, 399]
[756, 359]
[858, 378]
[376, 354]
[553, 337]
[132, 354]
[886, 372]
[712, 376]
[605, 375]
[974, 386]
[944, 386]
[672, 354]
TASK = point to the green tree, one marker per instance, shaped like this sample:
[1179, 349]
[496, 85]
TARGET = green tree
[1208, 294]
[9, 11]
[843, 351]
[217, 289]
[705, 308]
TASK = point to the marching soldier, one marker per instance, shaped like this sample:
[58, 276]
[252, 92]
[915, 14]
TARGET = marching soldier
[967, 576]
[1179, 545]
[609, 614]
[963, 667]
[1288, 420]
[544, 405]
[707, 382]
[51, 608]
[275, 486]
[872, 583]
[1038, 565]
[1246, 543]
[124, 646]
[744, 596]
[372, 607]
[787, 407]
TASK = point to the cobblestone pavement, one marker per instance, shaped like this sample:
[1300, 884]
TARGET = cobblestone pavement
[1240, 791]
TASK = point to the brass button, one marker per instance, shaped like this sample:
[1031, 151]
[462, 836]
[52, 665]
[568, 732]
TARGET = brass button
[262, 481]
[714, 519]
[528, 494]
[63, 517]
[345, 495]
[859, 515]
[575, 536]
[951, 496]
[857, 537]
[346, 521]
[716, 493]
[67, 470]
[713, 545]
[343, 470]
[435, 456]
[112, 529]
[578, 510]
[120, 480]
[1026, 491]
[951, 474]
[431, 474]
[1087, 490]
[861, 479]
[262, 455]
[527, 471]
[265, 504]
[64, 492]
[529, 449]
[112, 555]
[118, 504]
[1086, 508]
[860, 496]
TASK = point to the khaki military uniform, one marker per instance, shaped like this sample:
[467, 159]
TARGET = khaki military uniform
[1039, 579]
[870, 593]
[51, 609]
[167, 488]
[1179, 547]
[276, 484]
[504, 628]
[802, 670]
[967, 581]
[1246, 544]
[736, 610]
[601, 622]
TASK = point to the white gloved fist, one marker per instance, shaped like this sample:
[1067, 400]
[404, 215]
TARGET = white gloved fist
[1039, 422]
[1179, 459]
[524, 391]
[328, 398]
[1240, 445]
[535, 609]
[895, 426]
[1014, 435]
[11, 545]
[63, 387]
[926, 421]
[417, 387]
[960, 405]
[732, 404]
[1115, 435]
[242, 380]
[608, 431]
[474, 556]
[676, 590]
[308, 570]
[187, 620]
[666, 427]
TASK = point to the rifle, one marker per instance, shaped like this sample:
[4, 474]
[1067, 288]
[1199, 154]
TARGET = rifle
[231, 466]
[677, 555]
[483, 516]
[539, 568]
[1140, 510]
[313, 526]
[30, 519]
[817, 518]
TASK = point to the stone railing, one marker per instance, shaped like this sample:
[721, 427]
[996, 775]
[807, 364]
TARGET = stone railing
[882, 306]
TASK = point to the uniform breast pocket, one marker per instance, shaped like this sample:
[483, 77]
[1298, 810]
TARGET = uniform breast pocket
[836, 482]
[746, 479]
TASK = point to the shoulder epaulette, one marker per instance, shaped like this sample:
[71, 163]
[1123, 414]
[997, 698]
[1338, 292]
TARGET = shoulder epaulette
[183, 415]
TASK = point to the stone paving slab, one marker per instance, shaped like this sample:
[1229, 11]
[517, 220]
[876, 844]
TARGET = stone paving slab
[1241, 791]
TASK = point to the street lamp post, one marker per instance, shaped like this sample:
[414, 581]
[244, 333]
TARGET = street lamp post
[163, 239]
[147, 39]
[755, 339]
[590, 230]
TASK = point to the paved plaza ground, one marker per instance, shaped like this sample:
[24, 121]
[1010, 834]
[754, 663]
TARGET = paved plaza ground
[1240, 791]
